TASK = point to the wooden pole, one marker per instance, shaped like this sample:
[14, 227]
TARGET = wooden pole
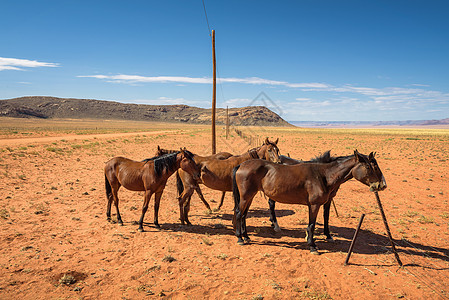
[227, 122]
[214, 94]
[354, 238]
[387, 228]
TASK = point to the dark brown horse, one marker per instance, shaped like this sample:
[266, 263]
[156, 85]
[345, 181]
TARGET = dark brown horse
[217, 174]
[312, 184]
[287, 160]
[149, 175]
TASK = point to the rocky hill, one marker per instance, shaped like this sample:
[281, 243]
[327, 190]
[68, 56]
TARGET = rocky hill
[52, 107]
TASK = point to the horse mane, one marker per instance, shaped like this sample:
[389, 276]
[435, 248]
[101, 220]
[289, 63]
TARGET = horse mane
[253, 153]
[149, 159]
[168, 161]
[255, 149]
[166, 151]
[327, 158]
[165, 162]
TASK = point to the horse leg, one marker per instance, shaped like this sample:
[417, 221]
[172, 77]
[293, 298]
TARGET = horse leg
[274, 222]
[237, 218]
[244, 231]
[109, 197]
[221, 200]
[200, 194]
[182, 200]
[186, 210]
[115, 196]
[238, 226]
[157, 202]
[247, 197]
[146, 201]
[326, 211]
[313, 212]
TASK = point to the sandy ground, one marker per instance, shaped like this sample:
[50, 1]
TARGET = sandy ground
[57, 244]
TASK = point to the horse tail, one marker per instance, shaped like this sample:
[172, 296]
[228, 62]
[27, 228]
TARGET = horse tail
[108, 187]
[236, 194]
[179, 184]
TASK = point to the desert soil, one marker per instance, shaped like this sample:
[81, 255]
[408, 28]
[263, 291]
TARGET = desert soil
[57, 244]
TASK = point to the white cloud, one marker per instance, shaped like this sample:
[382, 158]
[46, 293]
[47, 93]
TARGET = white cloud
[238, 102]
[19, 64]
[163, 79]
[171, 101]
[202, 80]
[324, 100]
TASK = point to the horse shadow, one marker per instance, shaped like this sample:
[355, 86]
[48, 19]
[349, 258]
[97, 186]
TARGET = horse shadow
[368, 242]
[253, 213]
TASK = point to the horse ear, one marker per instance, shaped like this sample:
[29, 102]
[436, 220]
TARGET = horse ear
[182, 151]
[276, 142]
[158, 147]
[357, 156]
[266, 142]
[371, 155]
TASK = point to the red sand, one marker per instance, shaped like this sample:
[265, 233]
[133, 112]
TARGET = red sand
[52, 215]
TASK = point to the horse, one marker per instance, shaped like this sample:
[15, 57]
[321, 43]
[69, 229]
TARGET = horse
[188, 180]
[287, 160]
[217, 175]
[312, 184]
[149, 175]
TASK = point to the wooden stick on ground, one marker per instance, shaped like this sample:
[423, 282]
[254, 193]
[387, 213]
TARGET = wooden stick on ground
[353, 239]
[387, 229]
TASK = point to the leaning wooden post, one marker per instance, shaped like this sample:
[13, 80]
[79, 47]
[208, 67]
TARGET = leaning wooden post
[387, 228]
[214, 93]
[335, 208]
[354, 238]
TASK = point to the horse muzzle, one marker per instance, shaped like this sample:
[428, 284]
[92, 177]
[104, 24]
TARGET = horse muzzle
[197, 177]
[378, 186]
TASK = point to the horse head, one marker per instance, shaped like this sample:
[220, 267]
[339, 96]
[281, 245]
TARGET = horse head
[188, 164]
[368, 172]
[159, 151]
[269, 151]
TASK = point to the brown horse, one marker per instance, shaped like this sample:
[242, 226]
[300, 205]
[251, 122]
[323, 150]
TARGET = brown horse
[217, 174]
[149, 175]
[311, 184]
[187, 179]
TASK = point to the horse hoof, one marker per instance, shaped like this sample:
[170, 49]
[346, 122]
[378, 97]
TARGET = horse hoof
[330, 240]
[277, 229]
[120, 223]
[140, 230]
[240, 242]
[314, 252]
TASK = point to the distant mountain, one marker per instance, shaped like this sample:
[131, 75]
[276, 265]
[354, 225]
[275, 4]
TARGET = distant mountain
[369, 123]
[52, 107]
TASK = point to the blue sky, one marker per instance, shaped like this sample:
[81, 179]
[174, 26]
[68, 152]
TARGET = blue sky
[315, 60]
